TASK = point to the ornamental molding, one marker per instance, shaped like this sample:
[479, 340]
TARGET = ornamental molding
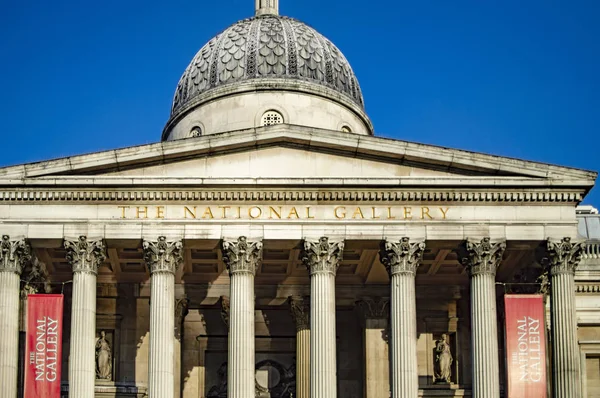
[242, 255]
[588, 288]
[482, 257]
[374, 307]
[323, 255]
[563, 255]
[14, 254]
[293, 195]
[300, 309]
[162, 255]
[402, 257]
[85, 255]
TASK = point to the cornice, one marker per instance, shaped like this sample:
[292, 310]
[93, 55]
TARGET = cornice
[590, 288]
[232, 194]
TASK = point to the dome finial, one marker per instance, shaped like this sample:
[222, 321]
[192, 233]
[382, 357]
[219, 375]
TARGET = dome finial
[267, 7]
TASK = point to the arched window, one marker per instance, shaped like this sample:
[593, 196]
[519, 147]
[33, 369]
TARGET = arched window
[196, 131]
[346, 129]
[269, 118]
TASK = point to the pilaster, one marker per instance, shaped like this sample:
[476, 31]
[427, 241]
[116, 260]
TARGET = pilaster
[322, 258]
[482, 259]
[84, 255]
[162, 257]
[300, 309]
[242, 257]
[14, 254]
[401, 260]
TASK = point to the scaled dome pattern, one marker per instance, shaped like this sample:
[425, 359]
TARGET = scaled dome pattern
[267, 46]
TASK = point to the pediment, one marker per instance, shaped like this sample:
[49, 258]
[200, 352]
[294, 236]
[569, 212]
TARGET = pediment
[294, 152]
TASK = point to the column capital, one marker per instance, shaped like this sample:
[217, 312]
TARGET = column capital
[563, 255]
[402, 257]
[85, 255]
[482, 257]
[242, 255]
[300, 309]
[162, 255]
[374, 307]
[14, 254]
[323, 255]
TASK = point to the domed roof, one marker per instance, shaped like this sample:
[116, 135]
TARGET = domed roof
[269, 47]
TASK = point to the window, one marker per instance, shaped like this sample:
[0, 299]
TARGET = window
[346, 129]
[195, 131]
[269, 118]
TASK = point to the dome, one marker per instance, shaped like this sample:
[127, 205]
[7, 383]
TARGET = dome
[267, 52]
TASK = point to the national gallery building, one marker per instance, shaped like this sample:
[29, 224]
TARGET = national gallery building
[271, 246]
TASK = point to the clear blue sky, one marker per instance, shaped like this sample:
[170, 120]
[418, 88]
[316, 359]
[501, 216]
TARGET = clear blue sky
[507, 77]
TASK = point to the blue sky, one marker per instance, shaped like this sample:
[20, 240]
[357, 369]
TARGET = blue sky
[512, 78]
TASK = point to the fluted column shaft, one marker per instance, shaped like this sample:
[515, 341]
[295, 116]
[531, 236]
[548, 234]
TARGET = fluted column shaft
[482, 260]
[300, 309]
[566, 369]
[163, 258]
[322, 259]
[84, 256]
[242, 257]
[402, 259]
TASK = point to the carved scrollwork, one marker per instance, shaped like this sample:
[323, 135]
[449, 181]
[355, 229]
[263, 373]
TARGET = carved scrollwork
[300, 309]
[162, 255]
[85, 255]
[322, 255]
[563, 255]
[482, 257]
[15, 254]
[242, 255]
[402, 257]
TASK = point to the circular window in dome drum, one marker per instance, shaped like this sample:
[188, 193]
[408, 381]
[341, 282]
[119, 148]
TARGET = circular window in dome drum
[346, 129]
[270, 118]
[196, 131]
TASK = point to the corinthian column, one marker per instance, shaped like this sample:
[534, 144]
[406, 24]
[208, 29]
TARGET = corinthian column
[482, 260]
[300, 308]
[401, 260]
[241, 257]
[162, 258]
[564, 256]
[14, 253]
[322, 258]
[84, 255]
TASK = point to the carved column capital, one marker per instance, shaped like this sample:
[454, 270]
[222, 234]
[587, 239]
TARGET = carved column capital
[162, 255]
[225, 310]
[402, 257]
[563, 255]
[323, 255]
[35, 278]
[181, 310]
[85, 255]
[374, 307]
[15, 253]
[242, 255]
[300, 309]
[482, 257]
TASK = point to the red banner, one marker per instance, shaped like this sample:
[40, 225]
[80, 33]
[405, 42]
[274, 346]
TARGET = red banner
[525, 345]
[43, 353]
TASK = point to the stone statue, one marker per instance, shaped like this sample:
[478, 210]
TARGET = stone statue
[103, 358]
[444, 360]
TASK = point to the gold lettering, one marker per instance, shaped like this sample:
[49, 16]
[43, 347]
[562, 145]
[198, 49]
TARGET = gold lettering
[160, 212]
[408, 213]
[425, 212]
[389, 212]
[224, 211]
[358, 212]
[373, 215]
[208, 213]
[123, 208]
[187, 210]
[239, 212]
[139, 212]
[308, 215]
[273, 211]
[293, 212]
[337, 214]
[444, 212]
[252, 215]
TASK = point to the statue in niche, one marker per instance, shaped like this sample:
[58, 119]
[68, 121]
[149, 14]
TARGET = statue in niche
[103, 358]
[444, 360]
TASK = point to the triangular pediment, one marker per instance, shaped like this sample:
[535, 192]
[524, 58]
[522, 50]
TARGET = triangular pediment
[295, 152]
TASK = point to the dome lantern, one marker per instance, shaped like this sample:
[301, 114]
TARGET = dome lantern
[264, 7]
